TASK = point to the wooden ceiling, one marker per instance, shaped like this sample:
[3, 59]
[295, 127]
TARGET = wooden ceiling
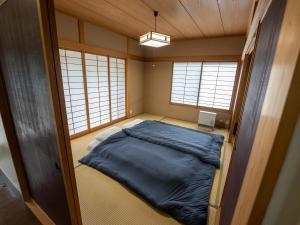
[182, 19]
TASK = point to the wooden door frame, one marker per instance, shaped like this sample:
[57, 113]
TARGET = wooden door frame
[240, 89]
[276, 126]
[46, 15]
[52, 64]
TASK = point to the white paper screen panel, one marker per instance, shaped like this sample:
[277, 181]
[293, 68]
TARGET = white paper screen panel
[185, 84]
[73, 83]
[217, 84]
[117, 88]
[98, 89]
[208, 84]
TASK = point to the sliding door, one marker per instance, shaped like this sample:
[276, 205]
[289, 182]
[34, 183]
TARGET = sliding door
[33, 117]
[94, 89]
[97, 89]
[117, 88]
[73, 83]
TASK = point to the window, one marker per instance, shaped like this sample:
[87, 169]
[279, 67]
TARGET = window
[94, 91]
[208, 84]
[72, 76]
[185, 84]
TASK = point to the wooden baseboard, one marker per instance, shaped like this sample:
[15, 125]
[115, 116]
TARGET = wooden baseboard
[39, 213]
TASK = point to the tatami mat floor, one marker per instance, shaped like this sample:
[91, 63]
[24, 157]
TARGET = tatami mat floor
[103, 201]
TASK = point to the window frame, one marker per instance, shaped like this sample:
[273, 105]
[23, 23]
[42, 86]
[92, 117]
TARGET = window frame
[211, 109]
[111, 122]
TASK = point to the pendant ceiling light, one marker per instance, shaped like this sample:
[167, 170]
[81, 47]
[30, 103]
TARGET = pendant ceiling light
[154, 39]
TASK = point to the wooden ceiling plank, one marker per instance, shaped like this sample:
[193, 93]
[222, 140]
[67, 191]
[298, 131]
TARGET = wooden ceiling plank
[235, 15]
[89, 15]
[202, 11]
[176, 15]
[138, 10]
[114, 15]
[181, 19]
[103, 14]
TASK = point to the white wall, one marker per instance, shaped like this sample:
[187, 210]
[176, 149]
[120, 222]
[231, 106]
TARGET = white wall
[67, 27]
[103, 38]
[284, 207]
[136, 87]
[6, 163]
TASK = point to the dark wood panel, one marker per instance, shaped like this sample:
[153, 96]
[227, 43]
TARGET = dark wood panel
[264, 54]
[25, 77]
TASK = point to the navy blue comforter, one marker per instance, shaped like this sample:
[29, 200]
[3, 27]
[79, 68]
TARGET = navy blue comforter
[203, 145]
[172, 180]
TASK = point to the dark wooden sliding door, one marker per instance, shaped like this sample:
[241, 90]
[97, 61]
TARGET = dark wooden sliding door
[28, 76]
[263, 59]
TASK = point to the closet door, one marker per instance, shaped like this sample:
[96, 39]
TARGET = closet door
[28, 75]
[265, 50]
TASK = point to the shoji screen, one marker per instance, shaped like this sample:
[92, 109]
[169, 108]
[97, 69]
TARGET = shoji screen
[117, 88]
[185, 82]
[73, 83]
[217, 84]
[97, 89]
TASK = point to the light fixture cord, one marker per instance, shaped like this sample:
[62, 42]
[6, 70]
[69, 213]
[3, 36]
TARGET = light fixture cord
[155, 15]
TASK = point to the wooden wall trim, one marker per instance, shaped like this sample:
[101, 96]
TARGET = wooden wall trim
[226, 58]
[39, 212]
[127, 83]
[81, 31]
[72, 45]
[202, 108]
[277, 121]
[52, 65]
[74, 136]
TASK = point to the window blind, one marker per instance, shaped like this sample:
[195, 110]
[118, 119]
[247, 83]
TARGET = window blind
[117, 88]
[185, 84]
[217, 82]
[208, 84]
[97, 89]
[72, 76]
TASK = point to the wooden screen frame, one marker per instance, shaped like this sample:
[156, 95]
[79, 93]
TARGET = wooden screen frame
[234, 90]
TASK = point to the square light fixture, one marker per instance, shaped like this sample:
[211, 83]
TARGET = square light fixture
[154, 39]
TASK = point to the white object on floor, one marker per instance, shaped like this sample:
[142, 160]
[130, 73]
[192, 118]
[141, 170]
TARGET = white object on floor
[207, 119]
[93, 144]
[103, 135]
[132, 123]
